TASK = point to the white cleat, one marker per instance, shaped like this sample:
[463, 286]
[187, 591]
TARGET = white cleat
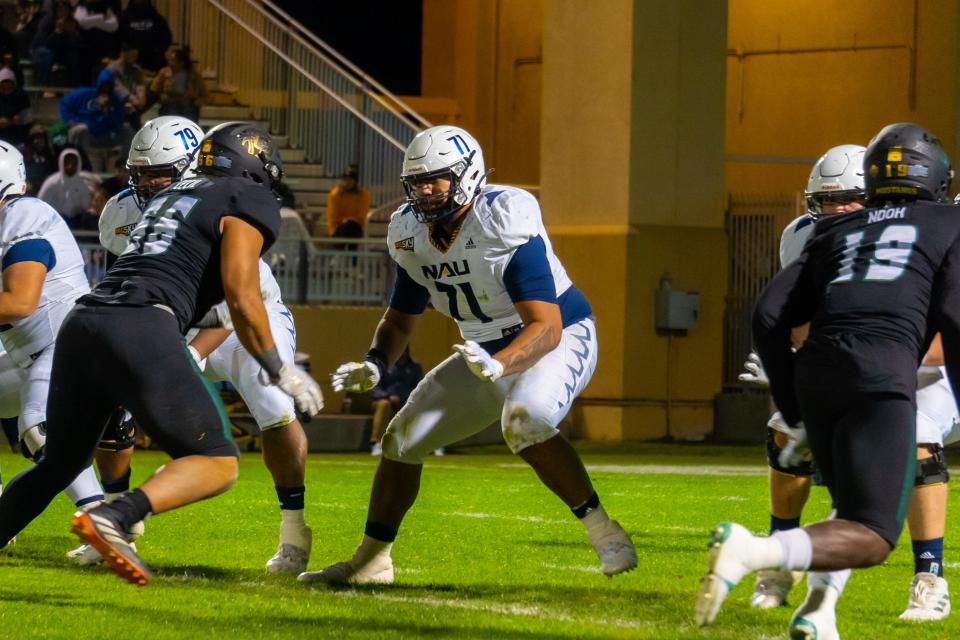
[615, 549]
[772, 588]
[85, 555]
[929, 598]
[377, 570]
[729, 545]
[288, 559]
[816, 618]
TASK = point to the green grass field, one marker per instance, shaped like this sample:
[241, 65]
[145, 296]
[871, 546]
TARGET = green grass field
[486, 552]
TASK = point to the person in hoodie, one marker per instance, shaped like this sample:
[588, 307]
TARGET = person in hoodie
[65, 190]
[141, 23]
[95, 117]
[39, 157]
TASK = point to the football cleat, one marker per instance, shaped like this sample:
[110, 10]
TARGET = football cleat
[615, 549]
[816, 618]
[85, 555]
[98, 529]
[729, 546]
[929, 598]
[288, 559]
[376, 570]
[772, 588]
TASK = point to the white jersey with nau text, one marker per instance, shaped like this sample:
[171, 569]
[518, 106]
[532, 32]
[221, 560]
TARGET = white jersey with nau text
[28, 219]
[466, 282]
[121, 215]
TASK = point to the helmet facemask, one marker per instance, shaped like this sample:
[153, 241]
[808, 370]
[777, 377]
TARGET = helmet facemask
[815, 201]
[145, 191]
[437, 207]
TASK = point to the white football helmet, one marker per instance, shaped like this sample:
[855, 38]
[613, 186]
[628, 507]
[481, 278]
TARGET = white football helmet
[442, 152]
[837, 176]
[167, 144]
[13, 174]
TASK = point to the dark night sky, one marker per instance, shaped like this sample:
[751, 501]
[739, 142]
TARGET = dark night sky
[381, 37]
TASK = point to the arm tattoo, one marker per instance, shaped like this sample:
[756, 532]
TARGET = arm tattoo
[526, 355]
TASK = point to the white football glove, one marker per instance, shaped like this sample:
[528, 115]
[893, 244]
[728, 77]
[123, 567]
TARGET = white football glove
[754, 371]
[481, 364]
[356, 377]
[797, 450]
[297, 383]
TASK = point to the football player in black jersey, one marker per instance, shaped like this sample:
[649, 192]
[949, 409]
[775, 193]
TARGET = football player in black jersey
[199, 241]
[876, 286]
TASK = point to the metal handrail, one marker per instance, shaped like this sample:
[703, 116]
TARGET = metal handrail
[344, 61]
[330, 92]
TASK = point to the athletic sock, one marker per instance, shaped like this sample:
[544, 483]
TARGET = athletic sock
[783, 524]
[371, 548]
[928, 556]
[113, 488]
[130, 508]
[290, 497]
[85, 490]
[587, 507]
[380, 532]
[820, 580]
[797, 550]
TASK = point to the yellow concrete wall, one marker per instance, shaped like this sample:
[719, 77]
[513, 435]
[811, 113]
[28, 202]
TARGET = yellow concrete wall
[485, 55]
[632, 187]
[798, 104]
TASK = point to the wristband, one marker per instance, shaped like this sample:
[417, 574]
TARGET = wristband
[271, 363]
[379, 360]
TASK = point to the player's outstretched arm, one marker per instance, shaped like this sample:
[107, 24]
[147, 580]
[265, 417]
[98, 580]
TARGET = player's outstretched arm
[389, 340]
[240, 273]
[542, 329]
[22, 285]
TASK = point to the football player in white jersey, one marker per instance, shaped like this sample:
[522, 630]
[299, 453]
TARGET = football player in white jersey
[480, 254]
[162, 152]
[43, 275]
[835, 187]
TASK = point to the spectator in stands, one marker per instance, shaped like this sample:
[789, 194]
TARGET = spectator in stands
[38, 157]
[89, 219]
[66, 191]
[120, 179]
[143, 24]
[99, 28]
[57, 46]
[391, 393]
[29, 14]
[179, 86]
[15, 116]
[128, 82]
[95, 116]
[347, 206]
[10, 61]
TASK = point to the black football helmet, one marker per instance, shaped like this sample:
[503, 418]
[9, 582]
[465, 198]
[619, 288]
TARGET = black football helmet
[243, 150]
[905, 162]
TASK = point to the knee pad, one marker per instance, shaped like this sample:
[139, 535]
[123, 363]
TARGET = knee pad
[32, 441]
[931, 470]
[805, 469]
[521, 429]
[119, 433]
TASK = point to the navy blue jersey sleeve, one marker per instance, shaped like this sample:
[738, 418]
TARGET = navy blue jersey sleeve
[528, 275]
[408, 296]
[32, 250]
[786, 302]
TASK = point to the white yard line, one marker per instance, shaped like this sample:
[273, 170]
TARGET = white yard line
[500, 608]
